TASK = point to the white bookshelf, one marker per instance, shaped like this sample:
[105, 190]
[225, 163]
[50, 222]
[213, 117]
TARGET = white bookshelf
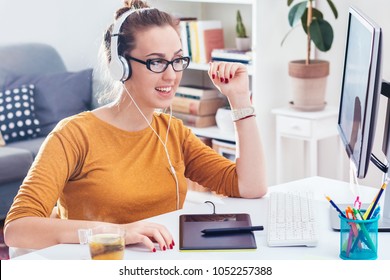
[225, 11]
[214, 132]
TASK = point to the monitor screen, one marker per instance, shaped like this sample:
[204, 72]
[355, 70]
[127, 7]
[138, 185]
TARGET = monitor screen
[360, 89]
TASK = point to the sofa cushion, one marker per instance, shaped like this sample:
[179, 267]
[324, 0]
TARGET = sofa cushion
[17, 114]
[30, 58]
[31, 145]
[6, 76]
[58, 95]
[14, 164]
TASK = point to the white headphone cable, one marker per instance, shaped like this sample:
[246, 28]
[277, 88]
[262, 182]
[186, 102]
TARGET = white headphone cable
[172, 169]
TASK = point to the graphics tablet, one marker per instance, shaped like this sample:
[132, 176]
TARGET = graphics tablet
[191, 237]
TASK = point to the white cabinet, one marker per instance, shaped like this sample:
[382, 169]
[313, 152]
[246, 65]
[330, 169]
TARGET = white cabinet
[310, 127]
[225, 11]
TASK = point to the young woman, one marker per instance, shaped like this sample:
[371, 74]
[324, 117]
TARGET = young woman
[124, 162]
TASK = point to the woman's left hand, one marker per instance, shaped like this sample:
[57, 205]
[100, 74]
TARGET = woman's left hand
[232, 80]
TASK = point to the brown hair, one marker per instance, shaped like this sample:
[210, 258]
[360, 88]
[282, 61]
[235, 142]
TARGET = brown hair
[135, 22]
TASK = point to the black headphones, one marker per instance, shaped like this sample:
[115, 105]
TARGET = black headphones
[119, 67]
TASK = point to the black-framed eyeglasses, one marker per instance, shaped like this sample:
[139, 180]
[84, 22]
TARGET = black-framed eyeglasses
[159, 65]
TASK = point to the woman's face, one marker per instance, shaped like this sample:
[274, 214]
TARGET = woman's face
[149, 89]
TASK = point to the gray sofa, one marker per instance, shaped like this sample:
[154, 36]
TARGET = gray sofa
[54, 93]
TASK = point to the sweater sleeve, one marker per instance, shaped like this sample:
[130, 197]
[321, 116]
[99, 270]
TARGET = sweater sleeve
[208, 168]
[43, 185]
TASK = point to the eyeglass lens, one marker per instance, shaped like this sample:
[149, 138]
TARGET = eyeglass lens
[160, 65]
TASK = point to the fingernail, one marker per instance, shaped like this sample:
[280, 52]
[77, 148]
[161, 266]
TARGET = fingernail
[164, 248]
[213, 76]
[222, 79]
[226, 81]
[231, 76]
[173, 242]
[154, 250]
[171, 246]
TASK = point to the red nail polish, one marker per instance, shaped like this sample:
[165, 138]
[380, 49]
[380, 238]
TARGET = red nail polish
[222, 79]
[171, 246]
[154, 250]
[231, 76]
[226, 81]
[213, 76]
[173, 243]
[164, 248]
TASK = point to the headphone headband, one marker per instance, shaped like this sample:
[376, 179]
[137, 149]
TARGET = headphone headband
[119, 68]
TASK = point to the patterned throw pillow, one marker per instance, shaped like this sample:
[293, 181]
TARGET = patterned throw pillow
[17, 116]
[57, 95]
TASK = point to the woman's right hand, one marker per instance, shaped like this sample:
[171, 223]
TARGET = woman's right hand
[148, 233]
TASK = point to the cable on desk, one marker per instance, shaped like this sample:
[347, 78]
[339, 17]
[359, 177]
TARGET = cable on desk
[208, 201]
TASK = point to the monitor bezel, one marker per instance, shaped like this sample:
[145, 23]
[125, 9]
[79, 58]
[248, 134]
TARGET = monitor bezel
[361, 162]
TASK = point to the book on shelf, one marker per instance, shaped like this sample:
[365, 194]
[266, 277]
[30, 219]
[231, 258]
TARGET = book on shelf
[213, 39]
[202, 107]
[194, 120]
[232, 55]
[224, 148]
[185, 35]
[200, 37]
[197, 92]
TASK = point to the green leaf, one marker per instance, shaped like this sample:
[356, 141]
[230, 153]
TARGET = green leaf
[316, 15]
[333, 7]
[296, 13]
[289, 2]
[321, 33]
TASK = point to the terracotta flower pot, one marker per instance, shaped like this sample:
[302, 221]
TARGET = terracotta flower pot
[308, 84]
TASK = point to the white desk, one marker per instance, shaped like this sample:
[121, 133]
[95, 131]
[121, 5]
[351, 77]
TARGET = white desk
[328, 247]
[310, 127]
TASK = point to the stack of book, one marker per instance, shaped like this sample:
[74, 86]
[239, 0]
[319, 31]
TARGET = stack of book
[232, 55]
[200, 37]
[196, 106]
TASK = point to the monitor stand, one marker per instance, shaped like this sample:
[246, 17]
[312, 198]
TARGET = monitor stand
[383, 226]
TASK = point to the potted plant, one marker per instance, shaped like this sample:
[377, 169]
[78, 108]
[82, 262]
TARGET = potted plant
[309, 76]
[243, 42]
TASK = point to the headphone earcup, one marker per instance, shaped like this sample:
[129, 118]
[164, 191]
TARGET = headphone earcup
[127, 69]
[120, 69]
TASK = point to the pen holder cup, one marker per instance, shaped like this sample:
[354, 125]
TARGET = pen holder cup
[358, 239]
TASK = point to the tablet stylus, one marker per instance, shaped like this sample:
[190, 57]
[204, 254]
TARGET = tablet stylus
[231, 230]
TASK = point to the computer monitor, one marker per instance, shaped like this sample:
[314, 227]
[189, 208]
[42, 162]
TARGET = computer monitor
[361, 86]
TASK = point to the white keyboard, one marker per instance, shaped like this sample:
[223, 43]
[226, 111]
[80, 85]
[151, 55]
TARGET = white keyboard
[291, 219]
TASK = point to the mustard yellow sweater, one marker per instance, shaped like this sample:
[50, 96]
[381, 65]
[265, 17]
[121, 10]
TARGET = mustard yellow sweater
[95, 171]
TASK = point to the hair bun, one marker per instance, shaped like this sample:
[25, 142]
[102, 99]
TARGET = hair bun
[127, 3]
[131, 5]
[135, 4]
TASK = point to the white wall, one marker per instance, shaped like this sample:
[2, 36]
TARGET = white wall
[75, 28]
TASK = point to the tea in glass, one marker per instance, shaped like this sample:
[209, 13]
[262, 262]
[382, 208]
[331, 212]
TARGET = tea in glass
[107, 243]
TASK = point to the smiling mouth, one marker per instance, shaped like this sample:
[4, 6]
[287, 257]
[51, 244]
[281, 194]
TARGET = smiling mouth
[164, 89]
